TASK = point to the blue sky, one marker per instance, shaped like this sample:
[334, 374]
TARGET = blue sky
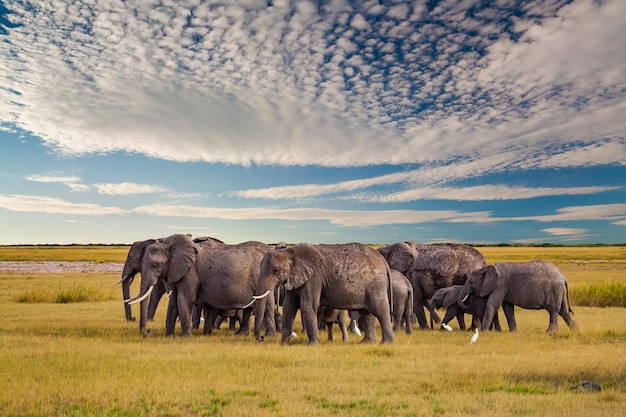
[321, 122]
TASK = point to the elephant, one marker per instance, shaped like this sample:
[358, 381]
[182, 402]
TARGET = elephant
[402, 302]
[430, 267]
[535, 285]
[447, 298]
[133, 265]
[349, 276]
[327, 317]
[221, 277]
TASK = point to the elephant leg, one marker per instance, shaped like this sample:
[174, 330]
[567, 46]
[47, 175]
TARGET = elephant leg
[495, 323]
[184, 313]
[172, 314]
[383, 315]
[244, 327]
[367, 322]
[509, 313]
[418, 308]
[329, 329]
[451, 312]
[566, 313]
[341, 320]
[486, 321]
[460, 318]
[290, 308]
[554, 322]
[196, 315]
[309, 319]
[210, 317]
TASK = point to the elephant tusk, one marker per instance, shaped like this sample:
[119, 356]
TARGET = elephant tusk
[124, 278]
[465, 298]
[169, 293]
[258, 297]
[139, 299]
[249, 304]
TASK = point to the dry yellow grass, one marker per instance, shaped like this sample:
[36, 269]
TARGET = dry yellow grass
[85, 359]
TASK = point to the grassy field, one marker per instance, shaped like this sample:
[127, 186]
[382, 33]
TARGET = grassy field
[80, 357]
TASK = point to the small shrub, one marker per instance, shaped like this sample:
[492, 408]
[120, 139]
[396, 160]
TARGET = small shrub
[607, 294]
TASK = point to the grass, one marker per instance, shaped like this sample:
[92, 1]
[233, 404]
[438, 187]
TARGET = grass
[83, 358]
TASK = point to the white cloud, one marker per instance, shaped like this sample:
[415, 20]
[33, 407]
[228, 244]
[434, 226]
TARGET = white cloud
[40, 204]
[129, 188]
[243, 83]
[479, 193]
[64, 179]
[564, 231]
[339, 217]
[73, 182]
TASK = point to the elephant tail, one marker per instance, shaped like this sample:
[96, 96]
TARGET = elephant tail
[390, 291]
[569, 303]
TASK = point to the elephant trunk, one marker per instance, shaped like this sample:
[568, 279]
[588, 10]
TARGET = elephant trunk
[126, 280]
[259, 314]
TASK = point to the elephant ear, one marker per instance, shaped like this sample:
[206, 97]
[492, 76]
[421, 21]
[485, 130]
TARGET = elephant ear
[182, 256]
[489, 281]
[399, 256]
[306, 260]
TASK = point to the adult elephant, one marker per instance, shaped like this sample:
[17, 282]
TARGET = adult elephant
[536, 285]
[132, 266]
[402, 302]
[447, 298]
[222, 277]
[430, 267]
[348, 277]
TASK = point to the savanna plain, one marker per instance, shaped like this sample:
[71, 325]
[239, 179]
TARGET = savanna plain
[66, 349]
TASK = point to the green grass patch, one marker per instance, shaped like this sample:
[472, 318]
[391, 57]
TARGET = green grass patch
[71, 294]
[603, 294]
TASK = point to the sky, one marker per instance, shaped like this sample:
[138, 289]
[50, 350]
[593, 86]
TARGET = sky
[322, 122]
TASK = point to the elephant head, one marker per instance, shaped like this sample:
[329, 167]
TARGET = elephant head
[131, 267]
[480, 283]
[291, 267]
[400, 256]
[169, 259]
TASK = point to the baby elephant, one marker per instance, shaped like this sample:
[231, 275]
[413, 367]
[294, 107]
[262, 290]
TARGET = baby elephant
[447, 298]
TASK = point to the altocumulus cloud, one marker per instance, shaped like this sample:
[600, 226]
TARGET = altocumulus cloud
[328, 83]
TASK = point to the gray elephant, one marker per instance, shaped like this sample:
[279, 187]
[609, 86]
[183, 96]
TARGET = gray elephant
[447, 298]
[402, 302]
[132, 266]
[430, 267]
[535, 285]
[350, 277]
[221, 277]
[327, 317]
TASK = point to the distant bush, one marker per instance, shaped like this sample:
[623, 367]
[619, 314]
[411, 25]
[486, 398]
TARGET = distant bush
[74, 294]
[607, 294]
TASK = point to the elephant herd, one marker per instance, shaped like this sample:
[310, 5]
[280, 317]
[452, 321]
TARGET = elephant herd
[392, 285]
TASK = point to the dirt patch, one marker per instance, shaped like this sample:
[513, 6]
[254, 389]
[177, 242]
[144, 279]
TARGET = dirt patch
[56, 267]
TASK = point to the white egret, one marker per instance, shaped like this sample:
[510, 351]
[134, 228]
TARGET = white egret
[474, 337]
[445, 326]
